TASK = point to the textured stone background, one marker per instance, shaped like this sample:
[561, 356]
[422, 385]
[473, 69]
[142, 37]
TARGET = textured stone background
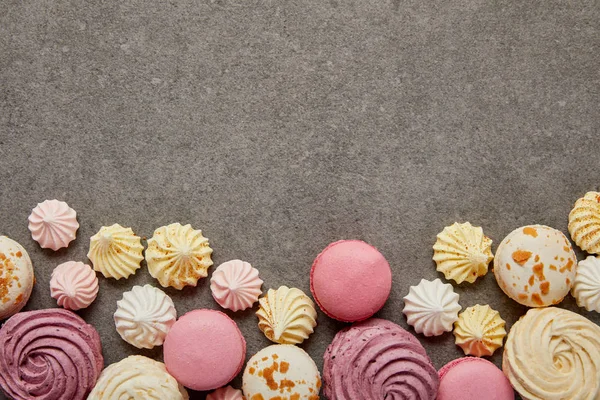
[277, 127]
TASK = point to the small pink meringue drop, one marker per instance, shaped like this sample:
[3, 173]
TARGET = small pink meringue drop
[235, 285]
[74, 285]
[226, 393]
[53, 224]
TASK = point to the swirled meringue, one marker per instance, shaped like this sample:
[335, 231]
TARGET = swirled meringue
[584, 222]
[226, 393]
[137, 378]
[16, 277]
[53, 224]
[235, 285]
[116, 251]
[553, 354]
[286, 316]
[479, 330]
[431, 307]
[49, 354]
[74, 285]
[462, 252]
[377, 359]
[586, 288]
[178, 255]
[144, 316]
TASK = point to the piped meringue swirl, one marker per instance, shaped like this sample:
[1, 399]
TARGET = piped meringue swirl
[74, 285]
[552, 354]
[49, 355]
[377, 359]
[235, 285]
[53, 224]
[226, 393]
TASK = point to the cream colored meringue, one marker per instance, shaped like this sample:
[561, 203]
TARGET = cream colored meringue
[462, 252]
[137, 378]
[226, 393]
[479, 330]
[431, 307]
[178, 255]
[584, 222]
[144, 316]
[586, 288]
[286, 316]
[235, 285]
[553, 354]
[74, 285]
[16, 277]
[116, 251]
[53, 224]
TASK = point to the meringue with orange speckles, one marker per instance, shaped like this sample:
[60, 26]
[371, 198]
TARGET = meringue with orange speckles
[116, 252]
[586, 288]
[535, 265]
[16, 277]
[53, 224]
[584, 222]
[235, 285]
[286, 316]
[226, 393]
[462, 252]
[178, 255]
[74, 285]
[479, 330]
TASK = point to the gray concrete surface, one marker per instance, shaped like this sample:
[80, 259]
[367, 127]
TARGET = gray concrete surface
[277, 127]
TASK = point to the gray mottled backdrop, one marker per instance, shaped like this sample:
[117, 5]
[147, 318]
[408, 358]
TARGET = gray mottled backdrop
[277, 127]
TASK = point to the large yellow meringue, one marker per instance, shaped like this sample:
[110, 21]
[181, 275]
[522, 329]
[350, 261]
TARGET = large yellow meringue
[178, 255]
[584, 222]
[462, 252]
[116, 251]
[286, 316]
[553, 354]
[479, 330]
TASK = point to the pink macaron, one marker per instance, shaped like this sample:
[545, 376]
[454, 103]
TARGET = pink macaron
[204, 350]
[350, 280]
[473, 378]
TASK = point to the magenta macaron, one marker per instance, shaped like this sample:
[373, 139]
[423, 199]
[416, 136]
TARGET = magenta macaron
[473, 378]
[204, 350]
[350, 280]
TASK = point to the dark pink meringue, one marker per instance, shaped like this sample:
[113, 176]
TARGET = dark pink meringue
[49, 355]
[377, 359]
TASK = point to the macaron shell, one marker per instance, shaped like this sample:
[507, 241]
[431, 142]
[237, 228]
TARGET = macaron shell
[204, 350]
[350, 280]
[16, 277]
[473, 378]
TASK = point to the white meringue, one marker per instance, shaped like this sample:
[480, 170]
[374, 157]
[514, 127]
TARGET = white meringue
[586, 287]
[431, 307]
[53, 224]
[74, 285]
[178, 255]
[235, 285]
[116, 251]
[144, 316]
[226, 393]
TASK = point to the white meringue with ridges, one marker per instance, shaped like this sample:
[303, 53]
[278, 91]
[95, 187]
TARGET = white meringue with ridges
[116, 252]
[586, 287]
[53, 224]
[431, 307]
[226, 393]
[144, 316]
[235, 285]
[74, 285]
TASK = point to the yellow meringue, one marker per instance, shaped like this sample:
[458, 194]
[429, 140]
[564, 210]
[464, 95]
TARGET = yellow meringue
[479, 330]
[553, 354]
[116, 251]
[286, 316]
[584, 222]
[462, 252]
[178, 255]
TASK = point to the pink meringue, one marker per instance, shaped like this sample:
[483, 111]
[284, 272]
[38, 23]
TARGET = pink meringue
[53, 224]
[226, 393]
[235, 285]
[74, 285]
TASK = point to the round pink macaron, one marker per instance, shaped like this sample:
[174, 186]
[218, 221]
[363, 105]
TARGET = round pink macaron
[473, 378]
[204, 350]
[350, 280]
